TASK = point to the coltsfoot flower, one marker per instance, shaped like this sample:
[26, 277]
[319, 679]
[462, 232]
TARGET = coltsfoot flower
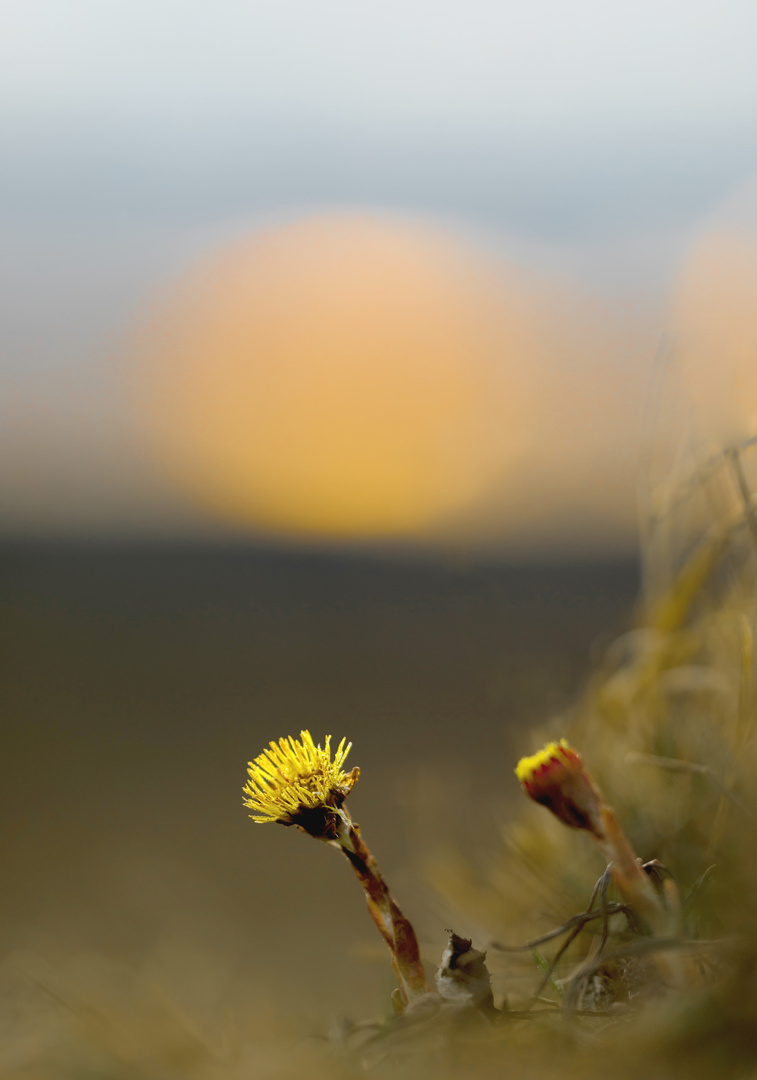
[297, 783]
[555, 777]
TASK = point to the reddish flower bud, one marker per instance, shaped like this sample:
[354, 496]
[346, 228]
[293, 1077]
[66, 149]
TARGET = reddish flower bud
[555, 777]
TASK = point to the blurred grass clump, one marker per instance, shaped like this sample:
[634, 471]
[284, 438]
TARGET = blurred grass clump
[666, 725]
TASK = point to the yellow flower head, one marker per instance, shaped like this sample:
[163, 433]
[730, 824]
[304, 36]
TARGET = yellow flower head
[528, 767]
[297, 783]
[556, 778]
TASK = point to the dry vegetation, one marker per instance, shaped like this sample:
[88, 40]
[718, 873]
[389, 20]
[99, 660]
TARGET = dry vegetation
[667, 725]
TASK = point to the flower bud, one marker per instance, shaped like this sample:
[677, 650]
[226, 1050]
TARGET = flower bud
[555, 777]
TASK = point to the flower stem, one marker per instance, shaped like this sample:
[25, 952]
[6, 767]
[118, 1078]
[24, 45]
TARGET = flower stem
[394, 927]
[631, 881]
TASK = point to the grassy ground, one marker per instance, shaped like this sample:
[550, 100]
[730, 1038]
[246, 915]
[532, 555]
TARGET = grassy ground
[666, 725]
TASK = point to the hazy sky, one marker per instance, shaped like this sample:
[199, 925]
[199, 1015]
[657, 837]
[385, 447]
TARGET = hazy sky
[544, 117]
[586, 137]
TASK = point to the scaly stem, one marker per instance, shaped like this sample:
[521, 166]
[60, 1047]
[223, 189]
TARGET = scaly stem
[393, 926]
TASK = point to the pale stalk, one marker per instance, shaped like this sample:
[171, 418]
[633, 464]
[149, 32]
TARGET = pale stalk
[630, 879]
[662, 916]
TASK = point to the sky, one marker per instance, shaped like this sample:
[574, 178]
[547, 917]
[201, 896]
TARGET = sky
[585, 142]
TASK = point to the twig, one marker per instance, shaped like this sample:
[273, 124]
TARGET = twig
[602, 886]
[572, 927]
[579, 920]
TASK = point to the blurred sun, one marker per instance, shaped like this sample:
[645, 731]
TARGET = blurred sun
[340, 376]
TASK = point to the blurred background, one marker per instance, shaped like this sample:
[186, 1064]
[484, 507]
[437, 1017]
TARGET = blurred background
[330, 334]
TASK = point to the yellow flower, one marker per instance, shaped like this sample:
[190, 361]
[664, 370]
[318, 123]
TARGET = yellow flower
[556, 778]
[297, 783]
